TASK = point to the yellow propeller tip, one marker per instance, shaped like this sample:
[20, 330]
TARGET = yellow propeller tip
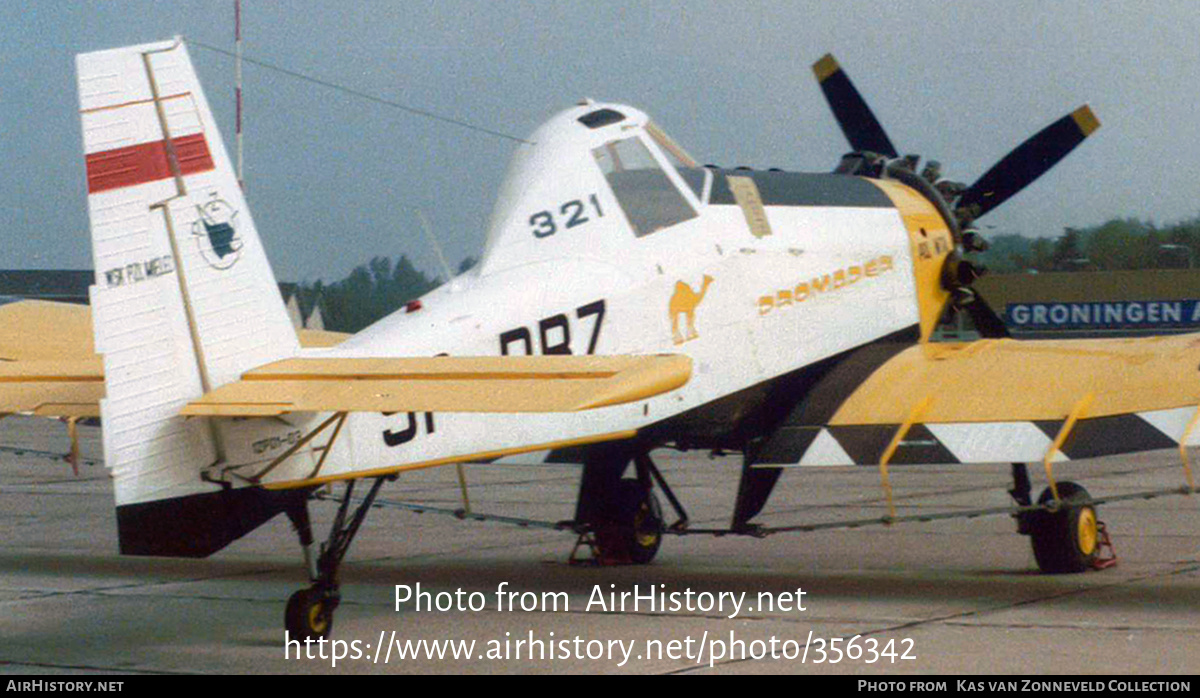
[825, 67]
[1086, 120]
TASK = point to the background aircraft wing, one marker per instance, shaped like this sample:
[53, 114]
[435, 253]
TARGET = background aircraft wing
[444, 384]
[45, 330]
[1001, 400]
[48, 364]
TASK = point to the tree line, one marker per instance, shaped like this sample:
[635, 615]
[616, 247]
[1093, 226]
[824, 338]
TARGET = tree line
[1118, 244]
[370, 292]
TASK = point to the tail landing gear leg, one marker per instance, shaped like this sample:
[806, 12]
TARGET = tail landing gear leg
[309, 614]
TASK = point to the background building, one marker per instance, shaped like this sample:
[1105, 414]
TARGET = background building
[1093, 303]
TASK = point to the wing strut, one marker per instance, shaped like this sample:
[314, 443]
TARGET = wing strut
[462, 485]
[915, 414]
[73, 433]
[1187, 466]
[1077, 411]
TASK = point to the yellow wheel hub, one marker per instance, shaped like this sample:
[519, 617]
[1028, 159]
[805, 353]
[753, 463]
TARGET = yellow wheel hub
[646, 539]
[1087, 532]
[316, 619]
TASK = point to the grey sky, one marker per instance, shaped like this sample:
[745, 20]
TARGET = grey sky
[333, 180]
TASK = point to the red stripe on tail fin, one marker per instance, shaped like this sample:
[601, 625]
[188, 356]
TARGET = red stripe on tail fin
[146, 162]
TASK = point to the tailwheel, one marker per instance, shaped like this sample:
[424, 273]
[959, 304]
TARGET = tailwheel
[309, 614]
[1067, 540]
[633, 531]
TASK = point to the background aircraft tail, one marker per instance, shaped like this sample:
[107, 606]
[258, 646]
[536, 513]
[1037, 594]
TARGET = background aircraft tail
[184, 299]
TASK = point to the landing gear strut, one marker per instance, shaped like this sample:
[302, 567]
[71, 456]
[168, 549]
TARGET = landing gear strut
[1020, 492]
[309, 614]
[621, 519]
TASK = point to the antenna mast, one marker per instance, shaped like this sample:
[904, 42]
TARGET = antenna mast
[237, 63]
[436, 247]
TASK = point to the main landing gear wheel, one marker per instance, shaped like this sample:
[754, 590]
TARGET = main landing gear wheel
[634, 530]
[309, 615]
[1067, 540]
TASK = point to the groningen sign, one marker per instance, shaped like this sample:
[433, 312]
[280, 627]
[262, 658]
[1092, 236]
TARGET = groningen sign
[1104, 315]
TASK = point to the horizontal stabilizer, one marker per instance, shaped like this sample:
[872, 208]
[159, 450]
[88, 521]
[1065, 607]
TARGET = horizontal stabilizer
[445, 384]
[47, 364]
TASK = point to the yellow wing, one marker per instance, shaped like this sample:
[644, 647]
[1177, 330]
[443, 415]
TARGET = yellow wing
[994, 380]
[1002, 400]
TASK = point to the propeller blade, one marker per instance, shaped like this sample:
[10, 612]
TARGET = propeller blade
[852, 113]
[987, 323]
[1028, 161]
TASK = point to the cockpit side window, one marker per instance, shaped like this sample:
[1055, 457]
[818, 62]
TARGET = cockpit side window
[650, 200]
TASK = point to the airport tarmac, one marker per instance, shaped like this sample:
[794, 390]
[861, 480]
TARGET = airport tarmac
[957, 596]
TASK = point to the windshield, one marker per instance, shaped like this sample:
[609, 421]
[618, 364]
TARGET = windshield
[650, 200]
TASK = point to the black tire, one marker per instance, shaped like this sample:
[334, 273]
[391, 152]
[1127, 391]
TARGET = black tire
[1065, 541]
[309, 616]
[633, 531]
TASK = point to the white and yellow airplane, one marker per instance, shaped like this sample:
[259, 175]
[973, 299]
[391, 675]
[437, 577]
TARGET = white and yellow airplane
[627, 299]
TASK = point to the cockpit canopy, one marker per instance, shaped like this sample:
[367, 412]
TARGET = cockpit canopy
[578, 159]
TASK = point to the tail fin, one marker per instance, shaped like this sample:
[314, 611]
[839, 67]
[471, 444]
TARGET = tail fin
[184, 299]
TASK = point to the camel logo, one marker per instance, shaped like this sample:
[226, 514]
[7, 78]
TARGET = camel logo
[216, 234]
[683, 303]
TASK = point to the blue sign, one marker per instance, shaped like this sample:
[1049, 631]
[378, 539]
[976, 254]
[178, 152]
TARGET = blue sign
[1104, 315]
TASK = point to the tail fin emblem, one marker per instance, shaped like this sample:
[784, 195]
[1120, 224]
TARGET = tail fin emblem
[216, 234]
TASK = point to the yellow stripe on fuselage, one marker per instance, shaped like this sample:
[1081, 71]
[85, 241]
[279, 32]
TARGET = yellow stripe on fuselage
[930, 242]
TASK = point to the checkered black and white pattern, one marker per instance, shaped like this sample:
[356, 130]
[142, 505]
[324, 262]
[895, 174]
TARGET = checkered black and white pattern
[984, 442]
